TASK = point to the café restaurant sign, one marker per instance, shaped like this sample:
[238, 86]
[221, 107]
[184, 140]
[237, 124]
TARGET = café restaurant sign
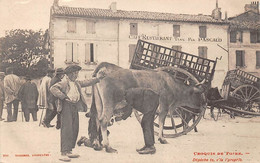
[171, 38]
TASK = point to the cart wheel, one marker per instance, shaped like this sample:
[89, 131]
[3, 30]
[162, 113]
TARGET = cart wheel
[248, 100]
[181, 120]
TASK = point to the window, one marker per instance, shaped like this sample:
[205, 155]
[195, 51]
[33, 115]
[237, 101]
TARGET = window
[89, 53]
[258, 59]
[236, 36]
[176, 31]
[203, 32]
[71, 26]
[131, 52]
[133, 29]
[255, 36]
[176, 55]
[71, 52]
[90, 27]
[240, 58]
[203, 51]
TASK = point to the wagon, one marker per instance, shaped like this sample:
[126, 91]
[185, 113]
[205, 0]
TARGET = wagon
[188, 68]
[240, 95]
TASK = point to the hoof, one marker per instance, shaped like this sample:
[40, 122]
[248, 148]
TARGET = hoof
[163, 141]
[97, 147]
[110, 150]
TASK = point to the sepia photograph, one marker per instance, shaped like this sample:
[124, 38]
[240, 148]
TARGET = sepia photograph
[120, 81]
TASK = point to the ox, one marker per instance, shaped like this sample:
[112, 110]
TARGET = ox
[108, 93]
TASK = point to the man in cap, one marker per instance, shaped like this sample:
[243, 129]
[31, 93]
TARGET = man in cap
[12, 85]
[28, 94]
[2, 94]
[44, 93]
[70, 100]
[52, 111]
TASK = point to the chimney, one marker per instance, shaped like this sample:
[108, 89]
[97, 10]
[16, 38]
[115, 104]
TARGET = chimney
[113, 7]
[254, 6]
[226, 17]
[216, 13]
[56, 4]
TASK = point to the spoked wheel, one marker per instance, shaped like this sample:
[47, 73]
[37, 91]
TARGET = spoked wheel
[181, 120]
[248, 97]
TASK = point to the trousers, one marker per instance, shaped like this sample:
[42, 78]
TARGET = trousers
[12, 115]
[69, 126]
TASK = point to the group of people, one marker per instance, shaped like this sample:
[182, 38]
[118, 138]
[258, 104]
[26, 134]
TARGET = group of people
[60, 94]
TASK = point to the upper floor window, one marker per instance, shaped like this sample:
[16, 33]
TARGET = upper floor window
[258, 59]
[71, 52]
[71, 26]
[176, 31]
[255, 36]
[236, 36]
[131, 51]
[240, 58]
[90, 27]
[133, 29]
[203, 51]
[89, 53]
[202, 31]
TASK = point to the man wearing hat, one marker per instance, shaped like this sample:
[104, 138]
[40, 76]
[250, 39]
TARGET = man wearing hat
[2, 94]
[28, 94]
[52, 111]
[44, 92]
[71, 99]
[12, 85]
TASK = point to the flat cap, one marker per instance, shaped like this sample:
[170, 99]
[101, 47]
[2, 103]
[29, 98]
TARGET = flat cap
[72, 68]
[59, 71]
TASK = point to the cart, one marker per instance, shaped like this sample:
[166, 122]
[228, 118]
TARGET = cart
[240, 95]
[190, 69]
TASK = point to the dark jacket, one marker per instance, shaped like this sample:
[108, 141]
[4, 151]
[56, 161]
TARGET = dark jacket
[28, 94]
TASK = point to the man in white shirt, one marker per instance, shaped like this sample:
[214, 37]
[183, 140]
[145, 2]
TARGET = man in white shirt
[68, 91]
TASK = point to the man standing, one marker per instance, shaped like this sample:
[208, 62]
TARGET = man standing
[28, 94]
[2, 94]
[68, 91]
[44, 93]
[12, 85]
[145, 101]
[59, 74]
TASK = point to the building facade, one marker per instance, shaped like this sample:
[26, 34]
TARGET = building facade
[88, 36]
[244, 34]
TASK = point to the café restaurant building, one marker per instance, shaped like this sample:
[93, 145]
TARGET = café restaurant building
[88, 36]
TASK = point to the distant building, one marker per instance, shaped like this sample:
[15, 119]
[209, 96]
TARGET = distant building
[244, 46]
[88, 36]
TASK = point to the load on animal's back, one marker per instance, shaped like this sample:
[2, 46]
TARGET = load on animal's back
[172, 93]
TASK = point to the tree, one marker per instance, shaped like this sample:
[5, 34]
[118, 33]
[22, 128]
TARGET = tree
[23, 50]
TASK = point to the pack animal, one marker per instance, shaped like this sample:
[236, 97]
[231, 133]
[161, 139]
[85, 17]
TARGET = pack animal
[107, 94]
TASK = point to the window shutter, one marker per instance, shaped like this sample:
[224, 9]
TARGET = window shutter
[240, 36]
[75, 52]
[240, 58]
[233, 36]
[131, 51]
[202, 31]
[176, 30]
[257, 58]
[90, 27]
[91, 52]
[87, 52]
[69, 52]
[71, 25]
[133, 29]
[253, 37]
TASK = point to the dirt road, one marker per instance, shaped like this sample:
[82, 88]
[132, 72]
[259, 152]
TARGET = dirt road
[227, 140]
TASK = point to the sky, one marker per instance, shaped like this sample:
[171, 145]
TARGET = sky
[35, 14]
